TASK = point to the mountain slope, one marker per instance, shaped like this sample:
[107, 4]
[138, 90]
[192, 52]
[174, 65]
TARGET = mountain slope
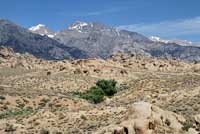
[173, 50]
[101, 41]
[22, 41]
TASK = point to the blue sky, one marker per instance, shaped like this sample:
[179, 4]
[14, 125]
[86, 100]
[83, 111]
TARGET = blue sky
[164, 18]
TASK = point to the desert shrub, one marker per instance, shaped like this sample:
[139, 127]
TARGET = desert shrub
[43, 102]
[108, 86]
[187, 125]
[44, 131]
[20, 104]
[10, 128]
[94, 94]
[2, 98]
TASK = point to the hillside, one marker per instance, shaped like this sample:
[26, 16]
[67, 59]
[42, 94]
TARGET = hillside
[154, 95]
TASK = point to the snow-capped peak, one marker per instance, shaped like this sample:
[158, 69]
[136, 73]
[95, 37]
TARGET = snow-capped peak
[42, 30]
[37, 27]
[78, 25]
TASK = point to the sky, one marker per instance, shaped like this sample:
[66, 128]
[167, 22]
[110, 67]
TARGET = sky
[169, 19]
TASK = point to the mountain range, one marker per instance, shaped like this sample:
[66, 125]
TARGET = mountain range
[23, 40]
[89, 40]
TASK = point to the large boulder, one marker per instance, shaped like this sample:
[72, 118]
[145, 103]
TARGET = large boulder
[144, 118]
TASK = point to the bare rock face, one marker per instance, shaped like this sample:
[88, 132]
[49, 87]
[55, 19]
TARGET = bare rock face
[144, 118]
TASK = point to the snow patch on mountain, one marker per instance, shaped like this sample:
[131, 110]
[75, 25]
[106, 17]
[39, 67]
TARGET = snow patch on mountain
[177, 41]
[51, 36]
[42, 30]
[158, 39]
[37, 27]
[78, 25]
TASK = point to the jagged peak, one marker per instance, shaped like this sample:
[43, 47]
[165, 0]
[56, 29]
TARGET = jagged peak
[84, 27]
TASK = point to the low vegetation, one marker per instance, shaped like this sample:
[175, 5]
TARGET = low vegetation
[108, 86]
[96, 93]
[17, 112]
[187, 125]
[103, 88]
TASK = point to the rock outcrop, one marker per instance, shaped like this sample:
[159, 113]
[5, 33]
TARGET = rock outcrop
[145, 118]
[6, 52]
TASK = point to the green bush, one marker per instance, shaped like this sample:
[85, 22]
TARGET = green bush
[94, 94]
[108, 86]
